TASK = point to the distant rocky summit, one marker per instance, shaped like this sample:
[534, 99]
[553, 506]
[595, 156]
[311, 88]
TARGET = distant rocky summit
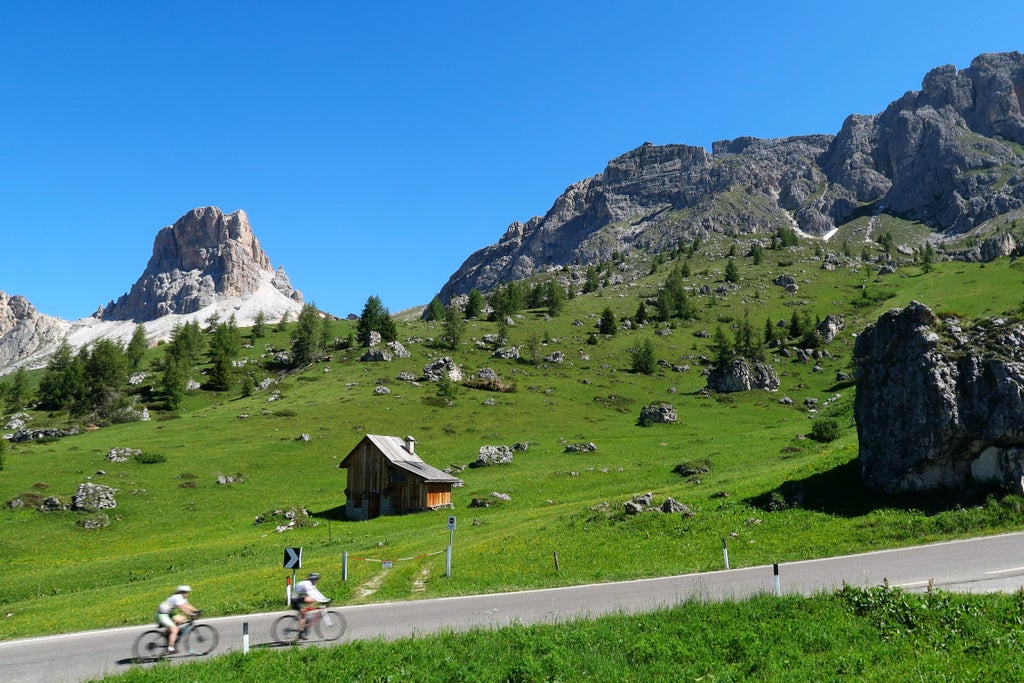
[24, 331]
[949, 156]
[207, 264]
[206, 254]
[940, 403]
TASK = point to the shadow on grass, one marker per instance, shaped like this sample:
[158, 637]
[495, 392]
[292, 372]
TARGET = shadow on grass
[840, 491]
[335, 514]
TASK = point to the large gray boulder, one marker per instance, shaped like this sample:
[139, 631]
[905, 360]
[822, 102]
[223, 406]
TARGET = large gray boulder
[91, 497]
[743, 374]
[435, 369]
[658, 412]
[830, 327]
[938, 405]
[494, 455]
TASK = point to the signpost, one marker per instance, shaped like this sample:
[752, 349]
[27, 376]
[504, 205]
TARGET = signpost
[293, 558]
[293, 561]
[451, 540]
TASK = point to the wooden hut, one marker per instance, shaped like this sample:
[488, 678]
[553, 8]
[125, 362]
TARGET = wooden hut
[386, 477]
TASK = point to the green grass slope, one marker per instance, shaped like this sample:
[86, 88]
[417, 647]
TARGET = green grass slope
[852, 635]
[174, 523]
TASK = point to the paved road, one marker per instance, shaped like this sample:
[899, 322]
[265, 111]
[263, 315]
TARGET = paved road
[993, 563]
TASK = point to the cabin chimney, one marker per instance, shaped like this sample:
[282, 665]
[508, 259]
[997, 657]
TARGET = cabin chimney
[410, 445]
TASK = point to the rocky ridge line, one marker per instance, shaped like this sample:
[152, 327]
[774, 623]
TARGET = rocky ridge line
[949, 156]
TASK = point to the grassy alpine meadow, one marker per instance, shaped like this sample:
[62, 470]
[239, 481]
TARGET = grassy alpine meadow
[210, 500]
[869, 635]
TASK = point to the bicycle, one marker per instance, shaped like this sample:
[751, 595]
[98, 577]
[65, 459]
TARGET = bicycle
[193, 638]
[328, 624]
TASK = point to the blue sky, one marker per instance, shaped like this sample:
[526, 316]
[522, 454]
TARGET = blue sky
[376, 145]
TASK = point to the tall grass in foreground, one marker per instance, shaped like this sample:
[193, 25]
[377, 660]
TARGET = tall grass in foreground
[875, 634]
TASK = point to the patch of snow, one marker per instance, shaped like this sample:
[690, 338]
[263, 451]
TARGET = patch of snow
[78, 333]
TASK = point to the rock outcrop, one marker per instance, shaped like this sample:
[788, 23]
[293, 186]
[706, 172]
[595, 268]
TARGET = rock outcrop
[25, 333]
[949, 156]
[743, 375]
[940, 404]
[992, 248]
[658, 412]
[204, 256]
[91, 497]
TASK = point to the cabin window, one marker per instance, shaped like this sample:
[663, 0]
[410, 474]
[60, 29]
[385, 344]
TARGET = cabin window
[397, 478]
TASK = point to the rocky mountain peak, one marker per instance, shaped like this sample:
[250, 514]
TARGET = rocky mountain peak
[205, 255]
[948, 156]
[207, 264]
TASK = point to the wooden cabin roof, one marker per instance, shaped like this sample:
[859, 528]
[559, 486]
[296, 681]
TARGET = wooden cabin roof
[393, 448]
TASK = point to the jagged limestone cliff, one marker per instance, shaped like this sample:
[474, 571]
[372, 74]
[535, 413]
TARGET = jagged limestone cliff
[207, 264]
[206, 254]
[950, 156]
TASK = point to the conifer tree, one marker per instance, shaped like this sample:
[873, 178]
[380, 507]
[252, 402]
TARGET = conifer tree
[642, 357]
[174, 379]
[474, 304]
[721, 347]
[454, 326]
[592, 280]
[435, 310]
[607, 324]
[106, 378]
[732, 271]
[554, 297]
[136, 348]
[375, 318]
[63, 382]
[224, 348]
[506, 300]
[308, 342]
[259, 326]
[18, 392]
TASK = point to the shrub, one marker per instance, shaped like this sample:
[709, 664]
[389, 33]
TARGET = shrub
[150, 458]
[825, 429]
[447, 388]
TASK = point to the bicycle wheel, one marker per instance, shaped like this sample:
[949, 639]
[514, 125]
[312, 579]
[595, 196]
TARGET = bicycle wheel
[285, 629]
[201, 639]
[331, 625]
[150, 645]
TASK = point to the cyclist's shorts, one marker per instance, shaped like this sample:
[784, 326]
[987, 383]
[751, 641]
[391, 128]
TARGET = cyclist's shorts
[298, 601]
[164, 619]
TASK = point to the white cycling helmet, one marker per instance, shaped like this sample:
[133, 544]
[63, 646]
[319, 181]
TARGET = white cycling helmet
[184, 589]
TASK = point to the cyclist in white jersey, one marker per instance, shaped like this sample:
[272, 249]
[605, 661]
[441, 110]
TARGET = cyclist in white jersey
[174, 611]
[306, 594]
